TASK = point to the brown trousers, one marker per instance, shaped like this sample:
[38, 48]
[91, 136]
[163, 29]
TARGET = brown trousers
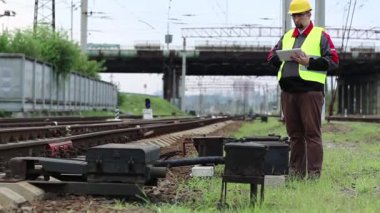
[302, 112]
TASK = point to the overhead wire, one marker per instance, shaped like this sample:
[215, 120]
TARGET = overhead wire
[346, 31]
[346, 24]
[349, 29]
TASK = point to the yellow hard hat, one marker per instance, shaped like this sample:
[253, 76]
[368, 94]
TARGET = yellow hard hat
[299, 6]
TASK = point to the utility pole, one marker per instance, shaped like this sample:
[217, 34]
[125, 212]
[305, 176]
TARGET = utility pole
[286, 21]
[200, 101]
[84, 25]
[320, 13]
[320, 22]
[227, 11]
[44, 13]
[168, 36]
[183, 76]
[245, 95]
[72, 19]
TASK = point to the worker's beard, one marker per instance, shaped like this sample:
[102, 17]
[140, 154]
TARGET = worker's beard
[300, 26]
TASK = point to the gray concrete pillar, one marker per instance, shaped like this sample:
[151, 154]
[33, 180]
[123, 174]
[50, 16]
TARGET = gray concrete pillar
[183, 76]
[320, 13]
[378, 94]
[373, 97]
[83, 26]
[168, 85]
[349, 102]
[320, 21]
[286, 19]
[368, 99]
[339, 97]
[361, 98]
[171, 85]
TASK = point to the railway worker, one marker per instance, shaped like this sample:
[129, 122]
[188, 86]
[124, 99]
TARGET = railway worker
[302, 82]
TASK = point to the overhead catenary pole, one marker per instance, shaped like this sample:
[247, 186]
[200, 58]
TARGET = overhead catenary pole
[84, 25]
[183, 76]
[72, 19]
[320, 22]
[286, 25]
[44, 13]
[320, 13]
[286, 20]
[53, 14]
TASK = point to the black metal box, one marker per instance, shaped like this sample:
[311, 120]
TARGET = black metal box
[209, 146]
[121, 162]
[277, 158]
[244, 159]
[276, 138]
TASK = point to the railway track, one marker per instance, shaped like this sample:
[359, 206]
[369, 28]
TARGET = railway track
[64, 118]
[69, 145]
[11, 135]
[44, 121]
[364, 118]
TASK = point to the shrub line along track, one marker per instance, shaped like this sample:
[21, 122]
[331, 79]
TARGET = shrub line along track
[76, 144]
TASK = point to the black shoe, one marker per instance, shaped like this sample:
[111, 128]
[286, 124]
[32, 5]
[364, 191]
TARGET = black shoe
[314, 176]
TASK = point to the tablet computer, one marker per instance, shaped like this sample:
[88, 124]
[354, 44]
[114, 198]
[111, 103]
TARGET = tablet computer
[284, 55]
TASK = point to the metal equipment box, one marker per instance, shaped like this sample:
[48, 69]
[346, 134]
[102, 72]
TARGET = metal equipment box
[209, 146]
[129, 163]
[244, 159]
[277, 158]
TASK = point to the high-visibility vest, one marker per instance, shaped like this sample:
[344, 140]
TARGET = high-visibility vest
[312, 47]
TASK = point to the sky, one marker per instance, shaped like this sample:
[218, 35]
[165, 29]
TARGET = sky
[128, 22]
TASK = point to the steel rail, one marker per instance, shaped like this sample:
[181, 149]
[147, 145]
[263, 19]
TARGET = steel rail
[83, 141]
[50, 123]
[63, 118]
[12, 135]
[368, 118]
[25, 123]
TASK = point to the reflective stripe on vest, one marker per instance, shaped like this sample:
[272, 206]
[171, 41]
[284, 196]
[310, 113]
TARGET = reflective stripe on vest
[311, 49]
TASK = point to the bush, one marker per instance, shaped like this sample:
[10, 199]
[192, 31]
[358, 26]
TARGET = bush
[51, 47]
[121, 98]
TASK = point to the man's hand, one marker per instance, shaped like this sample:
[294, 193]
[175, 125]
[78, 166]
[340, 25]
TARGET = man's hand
[301, 58]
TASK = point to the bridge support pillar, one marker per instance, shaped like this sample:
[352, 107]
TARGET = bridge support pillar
[359, 95]
[171, 85]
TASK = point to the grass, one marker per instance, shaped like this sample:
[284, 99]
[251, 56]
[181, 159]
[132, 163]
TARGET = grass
[135, 103]
[261, 129]
[353, 132]
[350, 180]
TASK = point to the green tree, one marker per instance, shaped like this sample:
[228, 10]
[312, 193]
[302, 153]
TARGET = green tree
[53, 47]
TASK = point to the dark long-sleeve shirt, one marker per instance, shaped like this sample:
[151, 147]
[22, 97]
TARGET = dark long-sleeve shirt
[329, 60]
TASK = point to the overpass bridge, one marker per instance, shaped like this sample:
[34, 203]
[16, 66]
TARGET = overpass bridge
[359, 72]
[224, 60]
[231, 58]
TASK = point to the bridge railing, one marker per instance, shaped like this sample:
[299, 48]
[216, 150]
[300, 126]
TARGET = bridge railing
[354, 49]
[233, 45]
[148, 45]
